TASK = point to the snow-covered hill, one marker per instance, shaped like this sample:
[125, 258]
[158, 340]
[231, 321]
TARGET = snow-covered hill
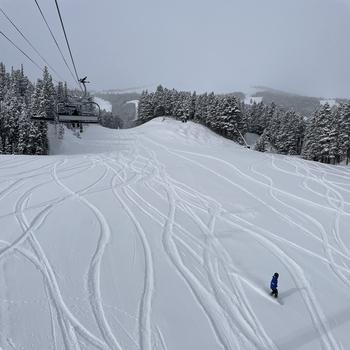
[166, 237]
[332, 102]
[104, 105]
[136, 104]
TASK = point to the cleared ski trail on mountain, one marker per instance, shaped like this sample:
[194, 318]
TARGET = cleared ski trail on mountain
[166, 237]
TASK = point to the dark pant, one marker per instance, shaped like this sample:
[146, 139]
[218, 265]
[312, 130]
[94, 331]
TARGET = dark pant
[274, 292]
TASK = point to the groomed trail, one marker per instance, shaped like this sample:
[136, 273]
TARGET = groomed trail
[165, 237]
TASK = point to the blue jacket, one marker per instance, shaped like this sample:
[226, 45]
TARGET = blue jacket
[274, 282]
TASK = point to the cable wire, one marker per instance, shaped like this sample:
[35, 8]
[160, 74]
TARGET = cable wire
[57, 45]
[65, 35]
[26, 55]
[30, 44]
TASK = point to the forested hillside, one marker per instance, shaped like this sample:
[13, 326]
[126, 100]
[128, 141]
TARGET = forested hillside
[20, 101]
[325, 136]
[305, 105]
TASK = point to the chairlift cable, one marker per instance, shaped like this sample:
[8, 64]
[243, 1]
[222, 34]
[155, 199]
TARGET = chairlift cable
[69, 48]
[57, 45]
[30, 44]
[26, 55]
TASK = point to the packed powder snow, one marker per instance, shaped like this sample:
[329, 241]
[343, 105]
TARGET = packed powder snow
[166, 236]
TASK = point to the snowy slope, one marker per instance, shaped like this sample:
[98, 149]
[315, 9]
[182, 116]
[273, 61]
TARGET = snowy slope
[251, 139]
[249, 100]
[104, 104]
[136, 104]
[166, 237]
[331, 102]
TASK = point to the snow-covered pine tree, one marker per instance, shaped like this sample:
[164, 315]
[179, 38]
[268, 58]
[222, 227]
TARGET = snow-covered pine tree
[65, 91]
[180, 105]
[212, 111]
[344, 132]
[47, 96]
[273, 129]
[142, 104]
[256, 118]
[167, 102]
[19, 100]
[188, 106]
[324, 126]
[43, 106]
[176, 103]
[335, 151]
[174, 98]
[60, 95]
[267, 115]
[34, 145]
[10, 112]
[228, 114]
[318, 135]
[239, 118]
[262, 143]
[158, 101]
[200, 108]
[289, 133]
[310, 148]
[23, 131]
[3, 81]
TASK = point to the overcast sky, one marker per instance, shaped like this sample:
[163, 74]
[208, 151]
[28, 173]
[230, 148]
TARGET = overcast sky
[221, 45]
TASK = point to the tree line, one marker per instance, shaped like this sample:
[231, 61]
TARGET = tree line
[20, 102]
[324, 137]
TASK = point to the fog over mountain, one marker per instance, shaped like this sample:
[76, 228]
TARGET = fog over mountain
[225, 45]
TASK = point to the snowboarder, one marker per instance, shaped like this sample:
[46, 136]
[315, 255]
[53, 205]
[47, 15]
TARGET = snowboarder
[273, 285]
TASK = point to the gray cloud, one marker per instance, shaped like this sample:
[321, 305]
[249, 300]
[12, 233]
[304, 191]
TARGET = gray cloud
[222, 45]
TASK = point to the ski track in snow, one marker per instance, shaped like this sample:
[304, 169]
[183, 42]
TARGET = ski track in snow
[146, 301]
[68, 323]
[193, 283]
[94, 270]
[296, 272]
[201, 259]
[222, 299]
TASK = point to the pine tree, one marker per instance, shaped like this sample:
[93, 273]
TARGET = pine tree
[324, 125]
[19, 100]
[3, 81]
[33, 146]
[344, 132]
[60, 93]
[47, 96]
[10, 115]
[146, 106]
[262, 144]
[256, 119]
[158, 101]
[210, 119]
[200, 108]
[188, 106]
[23, 132]
[311, 148]
[318, 138]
